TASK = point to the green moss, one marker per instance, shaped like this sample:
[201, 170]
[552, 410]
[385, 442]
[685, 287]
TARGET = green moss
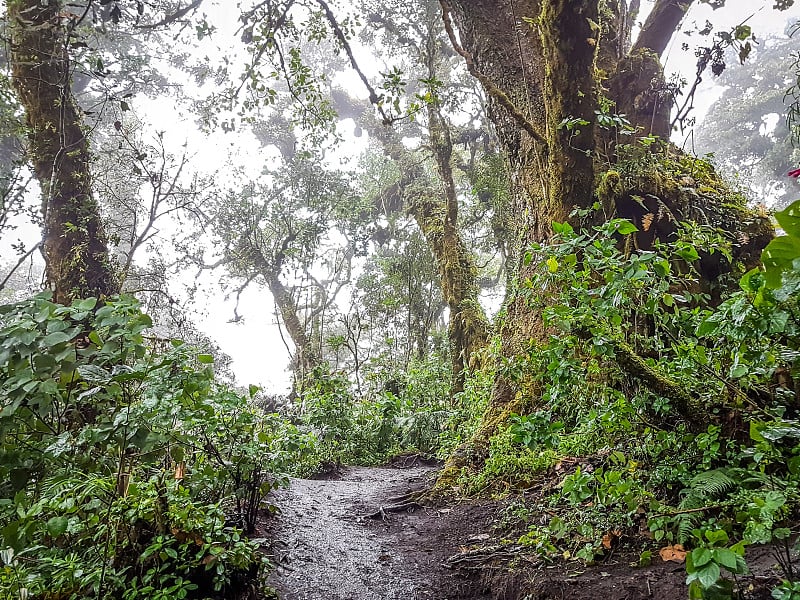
[509, 465]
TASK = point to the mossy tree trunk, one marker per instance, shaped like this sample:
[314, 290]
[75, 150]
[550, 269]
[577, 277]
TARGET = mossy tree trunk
[268, 262]
[539, 58]
[74, 243]
[437, 217]
[306, 355]
[545, 66]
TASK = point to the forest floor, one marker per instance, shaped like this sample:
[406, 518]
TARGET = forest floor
[332, 541]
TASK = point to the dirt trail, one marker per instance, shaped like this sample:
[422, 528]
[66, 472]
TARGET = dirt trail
[328, 548]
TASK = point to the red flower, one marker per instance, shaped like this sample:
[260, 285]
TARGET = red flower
[794, 173]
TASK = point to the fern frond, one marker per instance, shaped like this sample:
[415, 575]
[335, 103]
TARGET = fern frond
[712, 484]
[686, 524]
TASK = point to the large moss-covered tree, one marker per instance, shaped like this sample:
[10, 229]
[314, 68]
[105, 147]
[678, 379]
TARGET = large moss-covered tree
[550, 69]
[73, 241]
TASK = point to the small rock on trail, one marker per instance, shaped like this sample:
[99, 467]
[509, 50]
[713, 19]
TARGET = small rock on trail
[327, 548]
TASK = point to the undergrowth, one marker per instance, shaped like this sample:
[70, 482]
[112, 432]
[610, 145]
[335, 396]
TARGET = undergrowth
[662, 418]
[126, 470]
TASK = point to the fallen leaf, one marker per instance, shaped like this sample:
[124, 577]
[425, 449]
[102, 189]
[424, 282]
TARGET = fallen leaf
[611, 538]
[674, 553]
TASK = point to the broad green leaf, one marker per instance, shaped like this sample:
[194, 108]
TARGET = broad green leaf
[716, 536]
[738, 371]
[206, 359]
[57, 337]
[56, 526]
[779, 256]
[789, 219]
[700, 557]
[726, 558]
[85, 305]
[755, 431]
[552, 264]
[708, 575]
[625, 227]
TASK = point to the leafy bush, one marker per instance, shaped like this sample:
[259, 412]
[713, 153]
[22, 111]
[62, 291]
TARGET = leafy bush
[126, 471]
[676, 400]
[407, 412]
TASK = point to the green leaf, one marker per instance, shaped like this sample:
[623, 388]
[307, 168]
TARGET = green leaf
[54, 338]
[755, 431]
[552, 264]
[789, 219]
[253, 390]
[708, 575]
[727, 558]
[779, 256]
[742, 32]
[85, 305]
[625, 227]
[738, 371]
[205, 359]
[700, 557]
[56, 526]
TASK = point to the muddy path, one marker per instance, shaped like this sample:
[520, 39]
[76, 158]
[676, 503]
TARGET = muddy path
[327, 547]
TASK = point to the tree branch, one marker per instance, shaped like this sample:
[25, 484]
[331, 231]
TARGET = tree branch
[661, 24]
[169, 19]
[22, 259]
[340, 36]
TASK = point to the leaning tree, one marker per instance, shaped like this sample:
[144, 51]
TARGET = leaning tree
[73, 239]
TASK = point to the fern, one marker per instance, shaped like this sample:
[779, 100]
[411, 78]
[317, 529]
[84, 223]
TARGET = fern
[685, 524]
[711, 484]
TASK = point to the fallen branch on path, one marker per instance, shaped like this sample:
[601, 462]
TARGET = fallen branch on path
[382, 511]
[479, 558]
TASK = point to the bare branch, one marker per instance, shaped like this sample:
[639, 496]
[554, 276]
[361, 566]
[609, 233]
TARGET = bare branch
[21, 260]
[340, 36]
[177, 15]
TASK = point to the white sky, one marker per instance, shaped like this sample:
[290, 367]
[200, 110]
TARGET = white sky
[259, 356]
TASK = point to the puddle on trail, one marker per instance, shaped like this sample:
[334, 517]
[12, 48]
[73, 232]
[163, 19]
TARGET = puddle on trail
[327, 548]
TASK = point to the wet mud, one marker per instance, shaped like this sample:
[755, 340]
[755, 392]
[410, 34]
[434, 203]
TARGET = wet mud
[327, 546]
[332, 542]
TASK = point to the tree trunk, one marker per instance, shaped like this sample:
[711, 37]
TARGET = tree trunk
[306, 357]
[437, 217]
[538, 63]
[541, 57]
[74, 243]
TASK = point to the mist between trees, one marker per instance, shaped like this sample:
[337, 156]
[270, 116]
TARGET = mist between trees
[471, 232]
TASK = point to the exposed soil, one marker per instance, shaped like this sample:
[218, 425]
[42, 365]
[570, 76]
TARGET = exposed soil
[332, 542]
[327, 547]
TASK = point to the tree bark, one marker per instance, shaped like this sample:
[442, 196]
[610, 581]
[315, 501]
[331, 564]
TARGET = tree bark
[306, 357]
[74, 243]
[661, 25]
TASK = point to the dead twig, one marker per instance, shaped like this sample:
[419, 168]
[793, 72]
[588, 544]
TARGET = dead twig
[394, 508]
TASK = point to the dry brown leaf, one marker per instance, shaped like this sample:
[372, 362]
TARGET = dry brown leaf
[647, 220]
[674, 553]
[611, 538]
